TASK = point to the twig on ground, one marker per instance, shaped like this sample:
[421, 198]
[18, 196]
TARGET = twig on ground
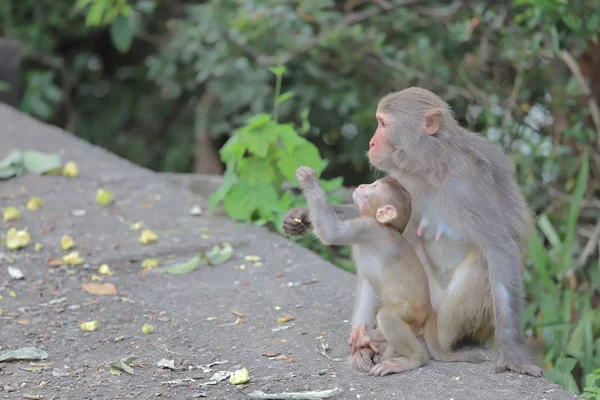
[313, 395]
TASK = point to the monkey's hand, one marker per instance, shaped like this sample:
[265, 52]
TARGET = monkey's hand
[359, 338]
[296, 222]
[307, 178]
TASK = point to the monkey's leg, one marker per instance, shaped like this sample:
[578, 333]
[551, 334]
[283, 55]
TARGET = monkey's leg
[393, 321]
[466, 311]
[430, 333]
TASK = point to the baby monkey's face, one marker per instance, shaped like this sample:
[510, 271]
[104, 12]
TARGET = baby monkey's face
[365, 196]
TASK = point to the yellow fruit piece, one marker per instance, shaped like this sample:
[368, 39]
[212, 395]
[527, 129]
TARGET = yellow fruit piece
[150, 263]
[148, 236]
[34, 203]
[70, 169]
[11, 214]
[283, 320]
[16, 239]
[298, 220]
[73, 258]
[66, 243]
[89, 326]
[97, 278]
[1, 311]
[147, 329]
[239, 377]
[38, 246]
[105, 270]
[104, 197]
[253, 259]
[11, 294]
[136, 226]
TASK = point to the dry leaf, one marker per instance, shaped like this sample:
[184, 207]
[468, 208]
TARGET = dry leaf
[270, 353]
[56, 262]
[99, 288]
[237, 313]
[285, 319]
[280, 357]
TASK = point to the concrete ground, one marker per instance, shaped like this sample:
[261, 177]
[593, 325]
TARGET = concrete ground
[226, 313]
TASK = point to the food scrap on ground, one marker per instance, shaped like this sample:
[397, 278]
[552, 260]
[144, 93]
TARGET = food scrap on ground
[66, 243]
[239, 377]
[73, 258]
[147, 236]
[89, 326]
[34, 203]
[16, 239]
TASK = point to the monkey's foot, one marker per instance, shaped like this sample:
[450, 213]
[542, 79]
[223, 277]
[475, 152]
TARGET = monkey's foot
[527, 369]
[362, 360]
[393, 366]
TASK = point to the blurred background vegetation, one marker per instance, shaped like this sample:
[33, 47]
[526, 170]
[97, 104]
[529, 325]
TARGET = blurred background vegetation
[167, 84]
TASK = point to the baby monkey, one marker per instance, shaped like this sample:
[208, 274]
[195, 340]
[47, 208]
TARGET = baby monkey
[393, 289]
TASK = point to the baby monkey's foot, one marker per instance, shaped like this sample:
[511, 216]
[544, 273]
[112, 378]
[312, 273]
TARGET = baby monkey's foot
[359, 338]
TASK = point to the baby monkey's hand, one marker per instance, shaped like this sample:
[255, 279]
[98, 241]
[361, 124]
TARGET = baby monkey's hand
[307, 178]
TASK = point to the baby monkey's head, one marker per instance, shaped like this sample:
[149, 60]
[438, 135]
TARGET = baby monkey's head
[385, 200]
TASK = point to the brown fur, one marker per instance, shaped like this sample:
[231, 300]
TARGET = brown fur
[393, 286]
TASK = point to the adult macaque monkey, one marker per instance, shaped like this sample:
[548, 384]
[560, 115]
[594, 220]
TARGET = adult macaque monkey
[463, 186]
[388, 269]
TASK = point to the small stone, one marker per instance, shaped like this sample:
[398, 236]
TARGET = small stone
[196, 211]
[322, 372]
[9, 389]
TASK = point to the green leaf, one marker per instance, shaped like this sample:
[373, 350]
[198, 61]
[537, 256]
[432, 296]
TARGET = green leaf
[255, 170]
[122, 365]
[229, 179]
[548, 230]
[305, 154]
[11, 165]
[284, 97]
[38, 163]
[184, 268]
[121, 33]
[580, 188]
[233, 150]
[94, 16]
[278, 70]
[290, 138]
[245, 199]
[218, 255]
[24, 353]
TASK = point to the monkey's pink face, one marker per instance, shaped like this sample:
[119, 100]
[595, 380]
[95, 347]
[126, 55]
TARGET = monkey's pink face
[380, 149]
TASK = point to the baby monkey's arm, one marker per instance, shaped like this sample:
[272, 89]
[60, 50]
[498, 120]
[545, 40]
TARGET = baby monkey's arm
[326, 224]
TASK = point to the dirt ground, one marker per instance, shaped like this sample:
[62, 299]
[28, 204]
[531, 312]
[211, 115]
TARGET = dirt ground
[216, 318]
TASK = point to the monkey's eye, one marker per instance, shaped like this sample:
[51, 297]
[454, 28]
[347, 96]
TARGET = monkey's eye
[382, 123]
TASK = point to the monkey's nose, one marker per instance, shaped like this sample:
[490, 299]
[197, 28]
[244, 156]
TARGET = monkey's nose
[361, 186]
[371, 144]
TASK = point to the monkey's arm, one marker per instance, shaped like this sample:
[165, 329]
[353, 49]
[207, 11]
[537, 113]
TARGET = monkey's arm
[297, 221]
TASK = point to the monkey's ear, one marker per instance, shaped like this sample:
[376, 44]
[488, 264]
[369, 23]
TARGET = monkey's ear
[386, 214]
[432, 121]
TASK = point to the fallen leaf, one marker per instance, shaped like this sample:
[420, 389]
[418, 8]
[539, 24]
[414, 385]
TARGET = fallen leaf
[147, 236]
[17, 239]
[237, 313]
[105, 270]
[10, 214]
[32, 369]
[221, 376]
[99, 288]
[164, 363]
[218, 255]
[136, 226]
[104, 197]
[15, 273]
[280, 357]
[185, 267]
[22, 321]
[149, 263]
[12, 165]
[147, 329]
[239, 377]
[38, 163]
[70, 170]
[73, 258]
[56, 262]
[122, 365]
[25, 353]
[252, 259]
[270, 353]
[285, 319]
[34, 203]
[89, 326]
[312, 395]
[66, 242]
[281, 328]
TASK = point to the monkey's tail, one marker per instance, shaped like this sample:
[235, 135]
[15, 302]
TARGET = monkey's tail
[430, 333]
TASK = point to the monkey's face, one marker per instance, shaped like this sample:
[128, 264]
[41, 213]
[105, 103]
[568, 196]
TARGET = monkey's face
[365, 196]
[381, 147]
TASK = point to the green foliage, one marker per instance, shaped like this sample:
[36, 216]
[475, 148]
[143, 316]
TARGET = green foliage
[592, 390]
[261, 156]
